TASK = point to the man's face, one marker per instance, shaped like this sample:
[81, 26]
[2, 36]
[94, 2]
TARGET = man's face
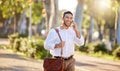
[68, 19]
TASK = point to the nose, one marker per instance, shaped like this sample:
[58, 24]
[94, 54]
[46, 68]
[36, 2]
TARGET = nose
[69, 19]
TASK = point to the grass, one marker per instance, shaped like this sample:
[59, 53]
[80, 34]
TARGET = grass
[100, 55]
[3, 36]
[104, 56]
[1, 46]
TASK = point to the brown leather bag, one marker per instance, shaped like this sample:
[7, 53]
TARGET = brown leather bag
[54, 64]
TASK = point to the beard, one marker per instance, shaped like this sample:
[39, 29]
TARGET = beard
[67, 25]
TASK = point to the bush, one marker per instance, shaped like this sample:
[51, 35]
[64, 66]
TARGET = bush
[88, 48]
[116, 52]
[32, 47]
[35, 47]
[100, 48]
[84, 49]
[12, 39]
[16, 44]
[3, 36]
[15, 39]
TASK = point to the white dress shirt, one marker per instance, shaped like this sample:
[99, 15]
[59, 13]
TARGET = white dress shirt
[67, 35]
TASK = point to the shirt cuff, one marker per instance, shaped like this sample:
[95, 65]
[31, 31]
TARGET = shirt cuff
[80, 40]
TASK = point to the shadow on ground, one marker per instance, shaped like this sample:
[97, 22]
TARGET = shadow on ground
[17, 68]
[83, 64]
[13, 56]
[17, 57]
[105, 63]
[94, 64]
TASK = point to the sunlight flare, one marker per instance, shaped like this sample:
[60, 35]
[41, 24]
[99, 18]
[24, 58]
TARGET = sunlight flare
[102, 4]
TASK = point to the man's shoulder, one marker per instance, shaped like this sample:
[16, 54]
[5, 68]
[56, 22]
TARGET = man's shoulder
[53, 29]
[57, 27]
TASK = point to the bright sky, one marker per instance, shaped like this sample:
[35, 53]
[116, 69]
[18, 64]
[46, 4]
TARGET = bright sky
[67, 5]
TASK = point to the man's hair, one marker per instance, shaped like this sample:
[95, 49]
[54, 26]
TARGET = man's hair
[67, 12]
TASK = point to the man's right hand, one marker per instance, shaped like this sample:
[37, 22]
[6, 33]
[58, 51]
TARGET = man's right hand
[60, 45]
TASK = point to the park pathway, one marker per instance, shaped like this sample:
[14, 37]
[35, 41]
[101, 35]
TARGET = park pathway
[10, 61]
[88, 63]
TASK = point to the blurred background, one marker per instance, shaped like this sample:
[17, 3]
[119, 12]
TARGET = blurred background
[26, 23]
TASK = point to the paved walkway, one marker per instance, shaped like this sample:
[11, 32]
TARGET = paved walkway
[88, 63]
[10, 61]
[4, 41]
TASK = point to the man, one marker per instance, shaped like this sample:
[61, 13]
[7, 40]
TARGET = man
[70, 35]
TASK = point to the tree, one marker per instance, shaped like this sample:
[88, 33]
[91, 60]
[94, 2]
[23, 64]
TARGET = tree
[117, 23]
[79, 14]
[14, 8]
[91, 28]
[51, 7]
[90, 12]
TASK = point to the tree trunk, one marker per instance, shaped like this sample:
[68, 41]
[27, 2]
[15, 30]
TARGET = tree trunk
[52, 14]
[91, 30]
[51, 7]
[47, 6]
[56, 14]
[100, 32]
[79, 14]
[16, 20]
[118, 28]
[14, 24]
[22, 23]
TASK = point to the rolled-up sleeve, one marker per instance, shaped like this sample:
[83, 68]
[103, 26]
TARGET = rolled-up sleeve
[49, 43]
[79, 41]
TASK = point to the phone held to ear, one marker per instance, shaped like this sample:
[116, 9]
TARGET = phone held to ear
[73, 24]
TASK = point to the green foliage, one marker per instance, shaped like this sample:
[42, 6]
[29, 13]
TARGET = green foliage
[12, 39]
[38, 46]
[23, 35]
[116, 52]
[10, 7]
[84, 49]
[3, 36]
[0, 46]
[37, 12]
[100, 48]
[32, 47]
[88, 48]
[16, 44]
[94, 47]
[101, 55]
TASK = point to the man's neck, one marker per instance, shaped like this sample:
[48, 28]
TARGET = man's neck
[63, 26]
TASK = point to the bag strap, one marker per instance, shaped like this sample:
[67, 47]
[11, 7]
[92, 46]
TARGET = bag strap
[60, 39]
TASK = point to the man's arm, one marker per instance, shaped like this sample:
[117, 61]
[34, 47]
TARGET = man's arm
[60, 45]
[79, 38]
[76, 30]
[49, 42]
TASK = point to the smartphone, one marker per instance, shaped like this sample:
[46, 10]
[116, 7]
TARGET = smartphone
[72, 24]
